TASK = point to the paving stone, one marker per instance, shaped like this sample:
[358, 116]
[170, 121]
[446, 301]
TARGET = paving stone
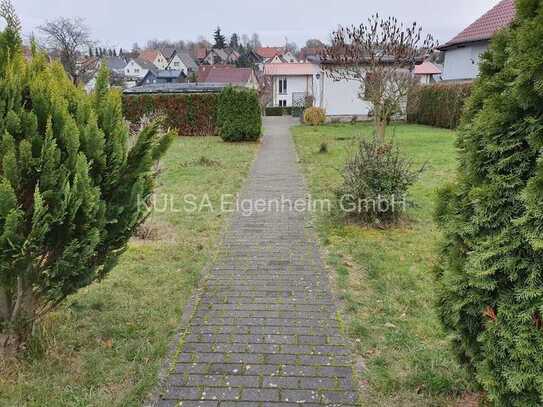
[264, 333]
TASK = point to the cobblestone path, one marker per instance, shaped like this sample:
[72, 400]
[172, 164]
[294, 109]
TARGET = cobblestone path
[264, 332]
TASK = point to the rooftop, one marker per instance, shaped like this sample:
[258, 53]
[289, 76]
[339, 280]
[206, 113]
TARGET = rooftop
[294, 69]
[427, 68]
[224, 74]
[171, 88]
[484, 28]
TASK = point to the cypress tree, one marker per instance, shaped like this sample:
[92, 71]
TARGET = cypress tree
[490, 272]
[71, 188]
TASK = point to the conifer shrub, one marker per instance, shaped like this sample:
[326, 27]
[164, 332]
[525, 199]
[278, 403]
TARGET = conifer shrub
[490, 270]
[376, 180]
[439, 105]
[314, 116]
[190, 115]
[238, 115]
[71, 188]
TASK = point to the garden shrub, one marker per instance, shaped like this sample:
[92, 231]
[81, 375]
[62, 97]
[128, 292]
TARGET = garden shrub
[490, 270]
[314, 116]
[278, 111]
[71, 188]
[190, 115]
[439, 105]
[376, 180]
[238, 115]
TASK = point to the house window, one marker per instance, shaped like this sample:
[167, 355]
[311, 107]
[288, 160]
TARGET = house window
[282, 103]
[283, 86]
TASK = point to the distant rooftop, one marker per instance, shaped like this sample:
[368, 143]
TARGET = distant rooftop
[169, 88]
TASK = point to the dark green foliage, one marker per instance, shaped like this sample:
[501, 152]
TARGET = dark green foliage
[376, 180]
[220, 39]
[439, 105]
[490, 272]
[70, 187]
[190, 115]
[278, 111]
[238, 115]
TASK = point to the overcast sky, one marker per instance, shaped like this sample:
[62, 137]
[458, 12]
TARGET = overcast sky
[120, 23]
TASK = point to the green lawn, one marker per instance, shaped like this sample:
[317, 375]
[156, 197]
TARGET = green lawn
[106, 344]
[383, 277]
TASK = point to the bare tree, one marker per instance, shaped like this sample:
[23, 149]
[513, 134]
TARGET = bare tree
[70, 38]
[381, 55]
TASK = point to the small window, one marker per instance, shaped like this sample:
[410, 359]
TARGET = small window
[283, 85]
[282, 103]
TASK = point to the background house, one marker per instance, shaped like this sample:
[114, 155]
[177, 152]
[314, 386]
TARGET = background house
[154, 76]
[427, 73]
[463, 52]
[182, 61]
[227, 75]
[221, 56]
[137, 68]
[155, 57]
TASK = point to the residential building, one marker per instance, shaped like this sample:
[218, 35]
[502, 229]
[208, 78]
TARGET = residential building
[137, 68]
[227, 74]
[427, 73]
[154, 76]
[292, 83]
[155, 57]
[221, 56]
[276, 55]
[182, 61]
[463, 52]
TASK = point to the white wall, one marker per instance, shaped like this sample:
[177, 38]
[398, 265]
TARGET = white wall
[342, 98]
[133, 70]
[177, 64]
[295, 84]
[463, 63]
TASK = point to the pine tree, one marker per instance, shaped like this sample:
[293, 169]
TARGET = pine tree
[490, 272]
[220, 39]
[71, 188]
[234, 42]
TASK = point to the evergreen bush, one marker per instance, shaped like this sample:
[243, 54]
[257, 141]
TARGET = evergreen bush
[238, 115]
[439, 105]
[190, 115]
[490, 271]
[376, 180]
[70, 187]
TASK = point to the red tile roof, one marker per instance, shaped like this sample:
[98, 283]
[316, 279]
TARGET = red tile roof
[201, 53]
[427, 68]
[294, 69]
[223, 74]
[500, 16]
[149, 55]
[269, 52]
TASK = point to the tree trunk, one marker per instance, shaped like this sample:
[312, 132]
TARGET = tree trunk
[380, 129]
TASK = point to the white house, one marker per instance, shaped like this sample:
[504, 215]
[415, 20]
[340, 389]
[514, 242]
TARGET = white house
[180, 61]
[292, 83]
[137, 68]
[463, 52]
[155, 57]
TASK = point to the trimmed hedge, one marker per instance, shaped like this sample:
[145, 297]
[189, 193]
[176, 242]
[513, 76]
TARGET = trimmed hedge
[278, 111]
[238, 115]
[439, 105]
[191, 115]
